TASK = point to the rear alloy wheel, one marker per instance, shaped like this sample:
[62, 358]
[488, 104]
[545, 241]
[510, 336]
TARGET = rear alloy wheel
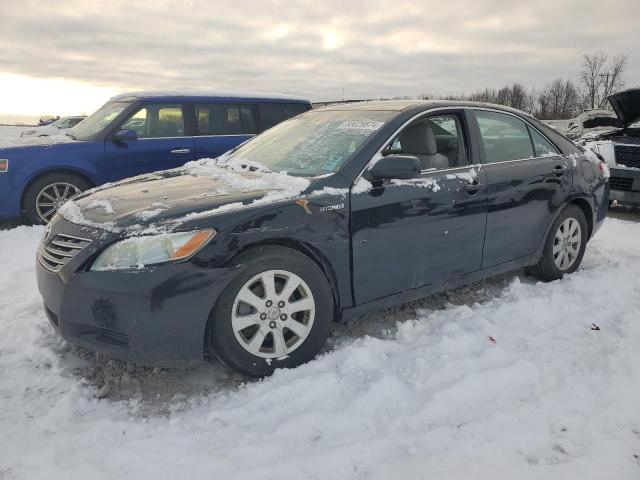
[276, 313]
[48, 193]
[567, 243]
[564, 246]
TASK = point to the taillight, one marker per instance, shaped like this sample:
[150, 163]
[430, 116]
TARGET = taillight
[4, 165]
[604, 169]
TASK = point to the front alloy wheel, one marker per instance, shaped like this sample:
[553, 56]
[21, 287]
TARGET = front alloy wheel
[47, 193]
[273, 313]
[276, 313]
[50, 198]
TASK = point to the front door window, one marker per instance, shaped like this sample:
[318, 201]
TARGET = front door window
[157, 121]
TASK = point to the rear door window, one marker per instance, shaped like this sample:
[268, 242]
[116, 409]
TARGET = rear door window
[505, 137]
[157, 121]
[225, 119]
[274, 113]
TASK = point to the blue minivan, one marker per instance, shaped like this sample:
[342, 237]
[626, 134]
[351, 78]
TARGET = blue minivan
[132, 134]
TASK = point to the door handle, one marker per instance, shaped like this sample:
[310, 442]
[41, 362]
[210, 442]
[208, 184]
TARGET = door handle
[557, 172]
[180, 150]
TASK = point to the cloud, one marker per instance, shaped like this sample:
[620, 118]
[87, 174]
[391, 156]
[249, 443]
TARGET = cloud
[370, 48]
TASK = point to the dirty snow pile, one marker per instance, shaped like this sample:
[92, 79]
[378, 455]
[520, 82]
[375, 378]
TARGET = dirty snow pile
[507, 379]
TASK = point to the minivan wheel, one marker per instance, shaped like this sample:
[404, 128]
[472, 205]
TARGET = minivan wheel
[564, 247]
[276, 313]
[48, 193]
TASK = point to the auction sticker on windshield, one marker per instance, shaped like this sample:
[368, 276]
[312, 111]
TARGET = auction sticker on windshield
[361, 125]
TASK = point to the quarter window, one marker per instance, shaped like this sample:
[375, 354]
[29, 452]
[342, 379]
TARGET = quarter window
[225, 119]
[541, 145]
[156, 121]
[505, 137]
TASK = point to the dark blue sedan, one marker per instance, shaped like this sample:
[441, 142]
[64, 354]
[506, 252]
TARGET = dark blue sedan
[132, 134]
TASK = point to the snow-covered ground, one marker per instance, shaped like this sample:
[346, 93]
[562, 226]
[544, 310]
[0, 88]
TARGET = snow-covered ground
[506, 379]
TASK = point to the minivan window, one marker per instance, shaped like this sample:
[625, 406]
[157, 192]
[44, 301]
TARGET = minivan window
[97, 121]
[274, 113]
[156, 121]
[541, 145]
[505, 137]
[225, 119]
[313, 144]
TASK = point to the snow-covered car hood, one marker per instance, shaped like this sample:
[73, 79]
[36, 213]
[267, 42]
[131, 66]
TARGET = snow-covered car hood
[36, 141]
[200, 189]
[626, 104]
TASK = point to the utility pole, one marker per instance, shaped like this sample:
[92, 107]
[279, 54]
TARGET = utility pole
[606, 92]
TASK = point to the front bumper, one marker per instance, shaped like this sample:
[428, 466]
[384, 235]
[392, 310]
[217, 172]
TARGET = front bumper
[625, 185]
[10, 190]
[151, 316]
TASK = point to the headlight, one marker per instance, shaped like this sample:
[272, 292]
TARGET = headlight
[149, 250]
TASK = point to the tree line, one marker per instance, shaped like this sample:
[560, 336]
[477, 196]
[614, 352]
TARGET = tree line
[561, 98]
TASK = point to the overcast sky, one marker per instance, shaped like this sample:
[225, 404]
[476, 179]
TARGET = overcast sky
[67, 56]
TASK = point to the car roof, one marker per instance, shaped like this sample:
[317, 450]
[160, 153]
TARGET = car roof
[182, 95]
[417, 105]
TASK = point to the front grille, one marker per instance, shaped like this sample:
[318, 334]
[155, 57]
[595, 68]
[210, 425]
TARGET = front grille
[57, 252]
[621, 183]
[628, 155]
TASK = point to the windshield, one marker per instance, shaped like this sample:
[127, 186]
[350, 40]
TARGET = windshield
[312, 144]
[94, 123]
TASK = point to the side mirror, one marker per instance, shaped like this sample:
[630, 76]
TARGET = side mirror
[125, 135]
[400, 167]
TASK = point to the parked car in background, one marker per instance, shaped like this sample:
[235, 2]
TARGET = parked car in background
[133, 133]
[619, 146]
[54, 128]
[591, 122]
[343, 209]
[47, 120]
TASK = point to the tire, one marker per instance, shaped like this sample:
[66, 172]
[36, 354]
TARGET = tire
[49, 184]
[561, 255]
[255, 350]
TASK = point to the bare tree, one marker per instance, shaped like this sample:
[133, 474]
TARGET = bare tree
[600, 77]
[518, 97]
[560, 99]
